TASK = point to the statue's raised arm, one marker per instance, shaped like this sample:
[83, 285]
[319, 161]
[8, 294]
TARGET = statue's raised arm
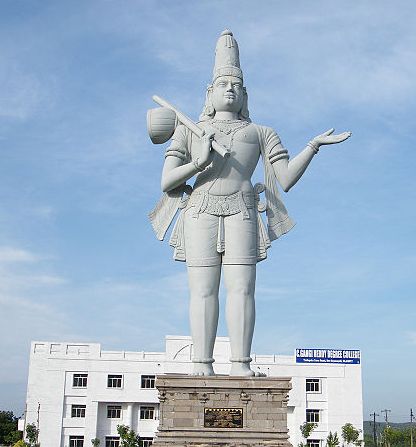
[289, 172]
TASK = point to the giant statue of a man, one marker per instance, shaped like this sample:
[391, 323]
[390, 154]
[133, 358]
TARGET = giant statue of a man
[219, 229]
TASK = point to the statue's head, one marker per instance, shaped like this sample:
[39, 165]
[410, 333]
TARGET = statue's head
[227, 92]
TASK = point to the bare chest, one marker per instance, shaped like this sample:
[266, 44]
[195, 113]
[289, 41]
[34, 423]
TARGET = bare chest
[241, 139]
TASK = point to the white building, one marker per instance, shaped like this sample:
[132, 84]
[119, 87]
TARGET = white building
[76, 392]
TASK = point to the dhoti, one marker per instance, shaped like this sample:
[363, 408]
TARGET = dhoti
[213, 230]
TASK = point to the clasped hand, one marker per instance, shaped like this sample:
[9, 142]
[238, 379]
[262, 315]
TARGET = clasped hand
[205, 156]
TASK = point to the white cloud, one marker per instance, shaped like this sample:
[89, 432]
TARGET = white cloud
[36, 304]
[411, 335]
[24, 319]
[23, 93]
[267, 292]
[13, 255]
[18, 281]
[26, 314]
[43, 212]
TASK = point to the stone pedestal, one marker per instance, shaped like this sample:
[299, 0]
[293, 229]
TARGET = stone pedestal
[222, 411]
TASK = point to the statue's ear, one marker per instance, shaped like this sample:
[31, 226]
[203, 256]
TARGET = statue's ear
[208, 110]
[244, 113]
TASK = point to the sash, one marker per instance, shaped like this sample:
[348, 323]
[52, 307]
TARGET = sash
[165, 210]
[278, 220]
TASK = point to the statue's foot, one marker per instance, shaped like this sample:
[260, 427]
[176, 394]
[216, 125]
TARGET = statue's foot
[203, 369]
[243, 369]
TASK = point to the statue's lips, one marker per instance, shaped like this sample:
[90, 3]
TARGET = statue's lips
[229, 96]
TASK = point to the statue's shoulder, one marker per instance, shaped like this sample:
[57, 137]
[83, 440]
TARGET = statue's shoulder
[267, 137]
[181, 131]
[182, 135]
[264, 131]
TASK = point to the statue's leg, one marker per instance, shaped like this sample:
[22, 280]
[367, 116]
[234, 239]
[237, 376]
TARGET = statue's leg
[203, 285]
[240, 312]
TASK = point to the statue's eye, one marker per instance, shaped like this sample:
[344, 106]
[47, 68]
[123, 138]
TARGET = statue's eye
[221, 84]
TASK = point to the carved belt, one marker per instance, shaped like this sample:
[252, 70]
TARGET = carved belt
[238, 202]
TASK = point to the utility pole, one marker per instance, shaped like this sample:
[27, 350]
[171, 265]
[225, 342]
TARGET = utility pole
[411, 427]
[24, 425]
[37, 424]
[386, 417]
[375, 427]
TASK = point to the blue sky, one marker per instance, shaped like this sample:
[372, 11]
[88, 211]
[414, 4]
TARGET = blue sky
[78, 260]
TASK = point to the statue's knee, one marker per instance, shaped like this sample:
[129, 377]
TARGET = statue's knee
[203, 294]
[241, 292]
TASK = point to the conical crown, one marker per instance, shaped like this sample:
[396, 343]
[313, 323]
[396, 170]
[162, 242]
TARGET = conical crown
[227, 57]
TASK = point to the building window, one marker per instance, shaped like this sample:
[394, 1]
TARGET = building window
[80, 380]
[76, 441]
[78, 411]
[148, 381]
[312, 416]
[112, 441]
[313, 443]
[313, 385]
[114, 380]
[145, 442]
[114, 411]
[147, 412]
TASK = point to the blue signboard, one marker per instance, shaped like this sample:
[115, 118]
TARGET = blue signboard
[343, 356]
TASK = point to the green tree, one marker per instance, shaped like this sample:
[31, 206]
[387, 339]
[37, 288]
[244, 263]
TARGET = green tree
[388, 436]
[369, 441]
[392, 437]
[8, 428]
[332, 440]
[128, 437]
[350, 435]
[21, 443]
[95, 442]
[32, 435]
[306, 429]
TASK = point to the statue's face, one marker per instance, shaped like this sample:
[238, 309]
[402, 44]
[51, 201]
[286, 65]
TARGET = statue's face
[228, 94]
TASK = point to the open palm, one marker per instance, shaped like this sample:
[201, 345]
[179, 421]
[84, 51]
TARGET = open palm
[328, 137]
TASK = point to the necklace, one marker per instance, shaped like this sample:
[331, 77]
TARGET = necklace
[228, 126]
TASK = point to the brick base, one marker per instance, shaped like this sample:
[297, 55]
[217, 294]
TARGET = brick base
[183, 400]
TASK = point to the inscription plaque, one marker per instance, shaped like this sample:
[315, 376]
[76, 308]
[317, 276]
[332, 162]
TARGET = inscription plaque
[223, 417]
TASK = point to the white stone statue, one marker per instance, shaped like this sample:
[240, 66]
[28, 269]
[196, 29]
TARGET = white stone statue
[219, 229]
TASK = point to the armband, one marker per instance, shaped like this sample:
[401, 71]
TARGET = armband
[175, 150]
[314, 146]
[278, 155]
